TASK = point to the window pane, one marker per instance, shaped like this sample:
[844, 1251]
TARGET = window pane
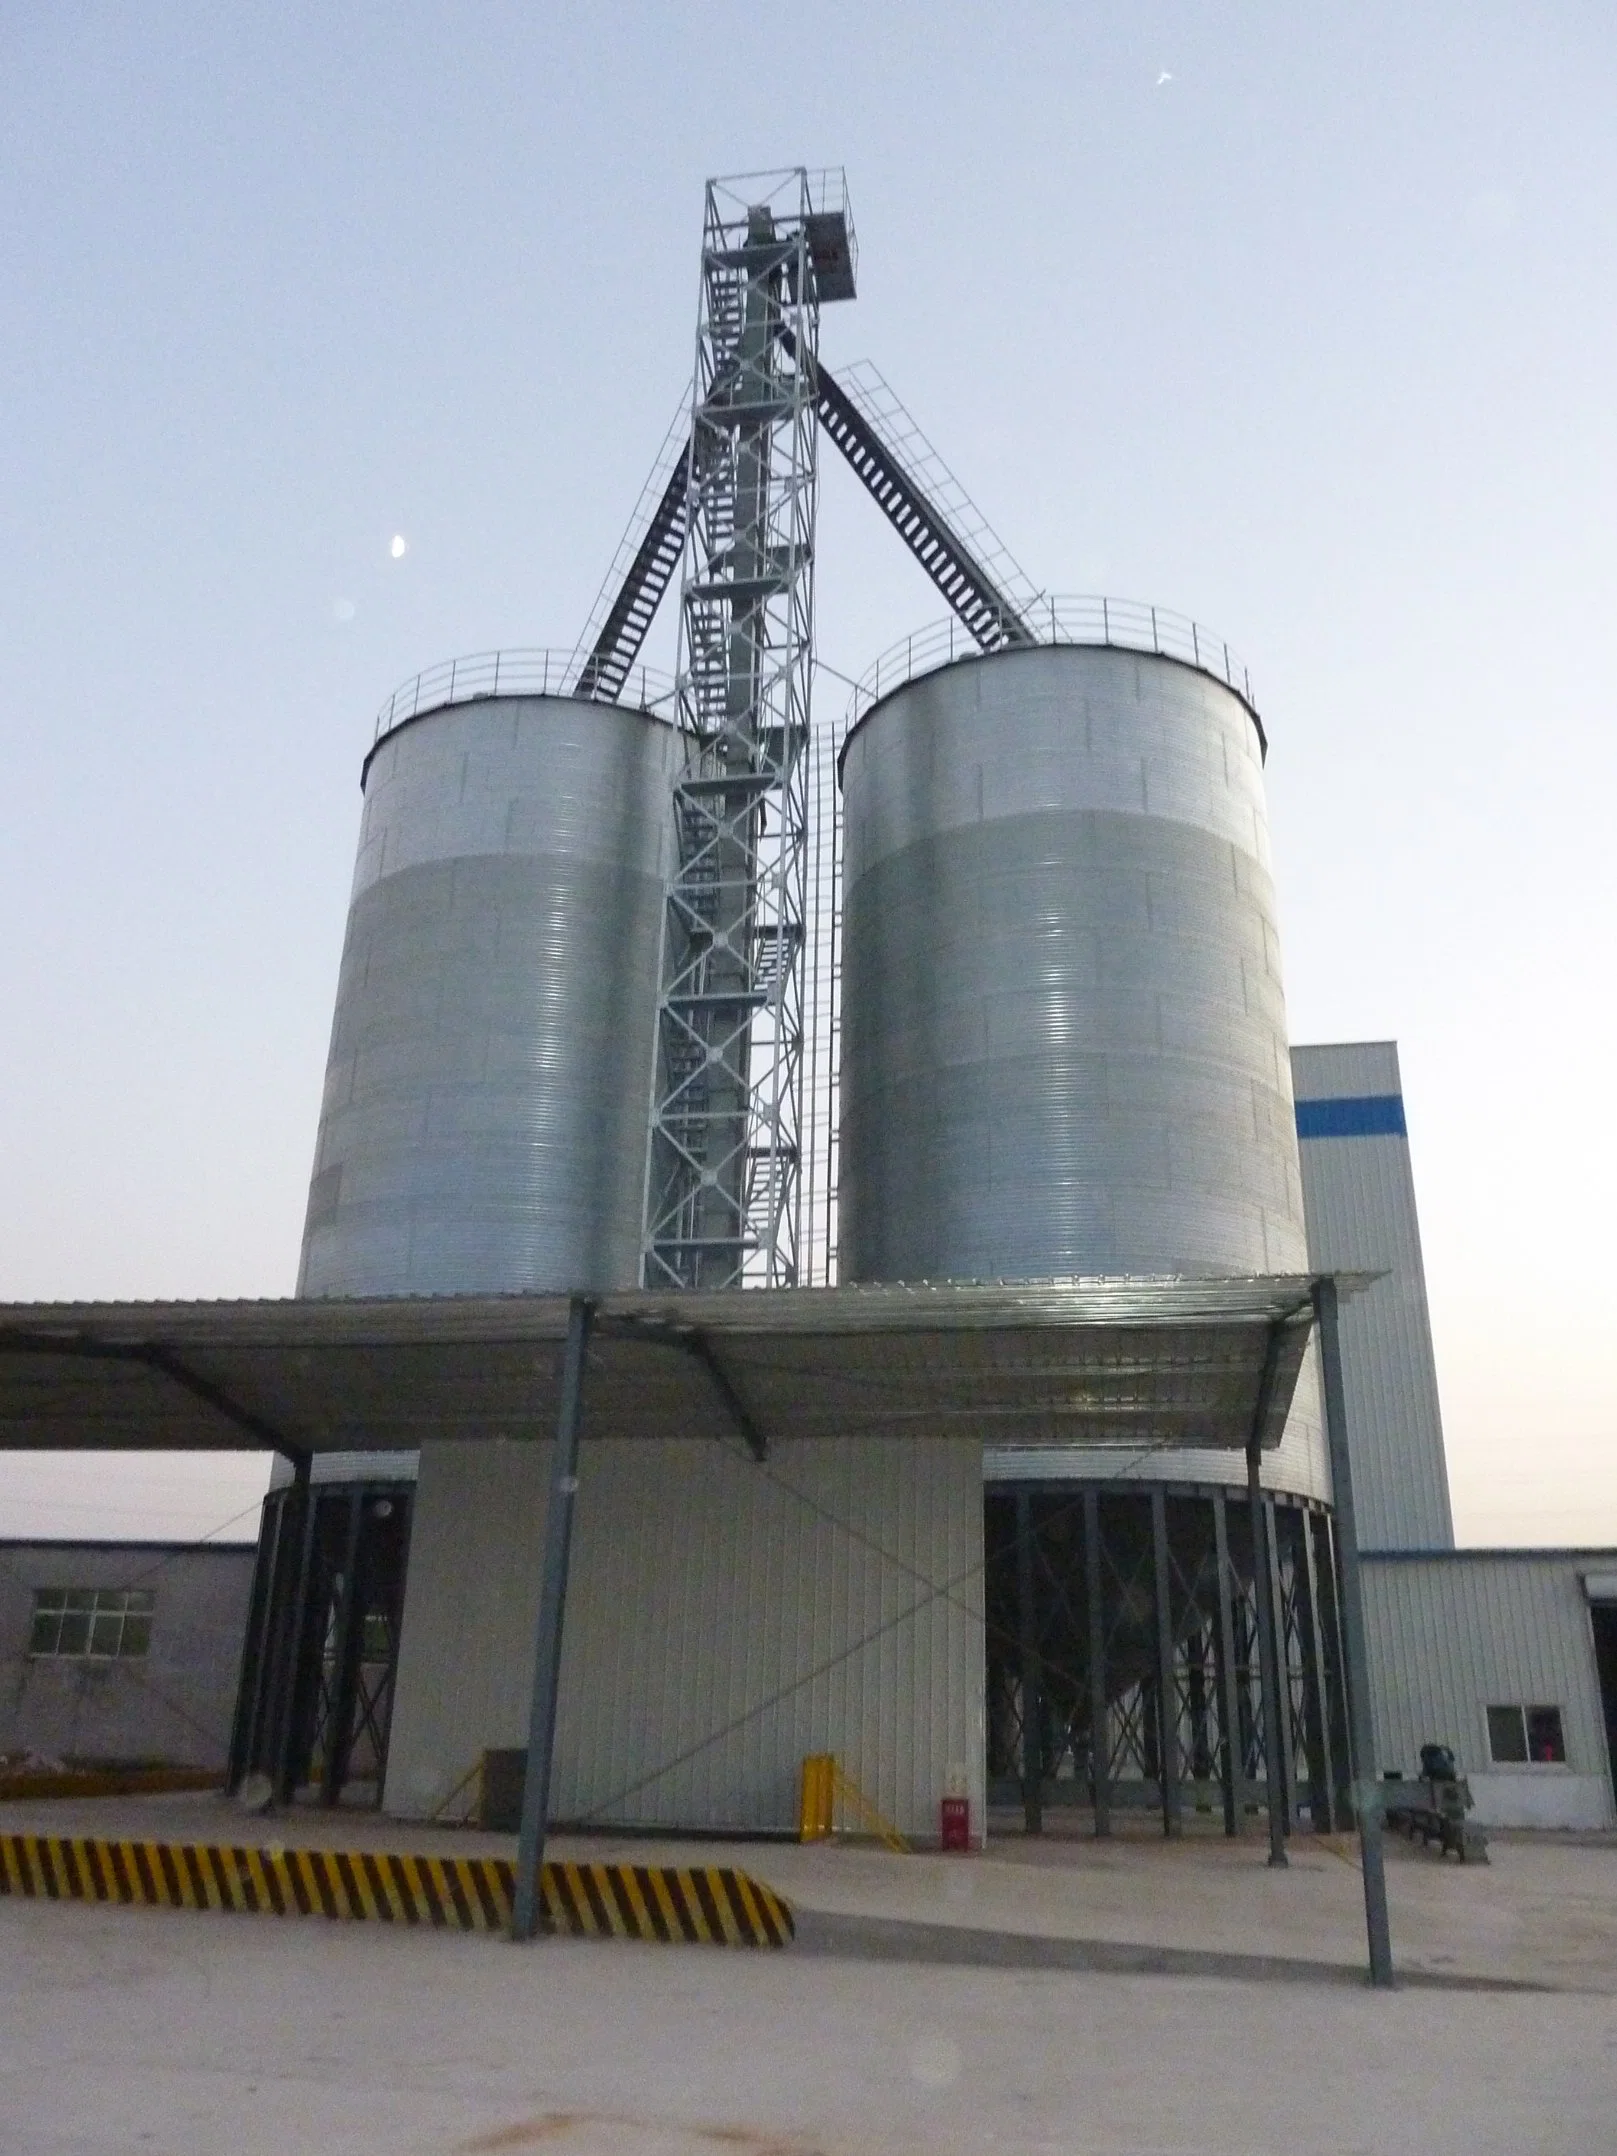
[47, 1624]
[104, 1634]
[137, 1635]
[1507, 1736]
[75, 1633]
[80, 1598]
[139, 1599]
[1544, 1739]
[50, 1598]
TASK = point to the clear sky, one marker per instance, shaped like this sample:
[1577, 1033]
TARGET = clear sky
[1300, 320]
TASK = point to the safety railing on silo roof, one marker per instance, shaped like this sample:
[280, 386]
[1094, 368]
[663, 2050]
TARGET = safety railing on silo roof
[1125, 624]
[521, 672]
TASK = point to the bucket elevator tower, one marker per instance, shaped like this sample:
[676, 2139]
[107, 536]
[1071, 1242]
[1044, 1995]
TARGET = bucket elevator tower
[731, 504]
[723, 1160]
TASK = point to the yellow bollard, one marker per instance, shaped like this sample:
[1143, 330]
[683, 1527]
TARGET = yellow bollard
[814, 1812]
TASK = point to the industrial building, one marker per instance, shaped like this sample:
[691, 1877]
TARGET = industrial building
[1508, 1656]
[124, 1653]
[896, 1117]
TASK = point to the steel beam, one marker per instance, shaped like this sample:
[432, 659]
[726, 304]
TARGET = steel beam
[299, 1539]
[1167, 1701]
[344, 1661]
[1228, 1686]
[1274, 1736]
[258, 1645]
[1320, 1804]
[1277, 1606]
[547, 1641]
[1032, 1675]
[1367, 1796]
[1099, 1749]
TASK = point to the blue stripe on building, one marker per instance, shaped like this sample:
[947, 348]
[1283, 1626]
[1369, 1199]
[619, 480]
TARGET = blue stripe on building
[1365, 1115]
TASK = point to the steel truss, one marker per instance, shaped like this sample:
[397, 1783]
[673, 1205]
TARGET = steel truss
[723, 1166]
[1124, 1661]
[732, 498]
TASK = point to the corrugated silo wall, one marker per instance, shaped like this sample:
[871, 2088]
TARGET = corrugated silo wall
[483, 1125]
[724, 1619]
[1064, 1027]
[484, 1131]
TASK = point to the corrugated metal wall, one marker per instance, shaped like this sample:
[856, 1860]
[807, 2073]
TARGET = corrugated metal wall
[1359, 1196]
[723, 1620]
[1451, 1635]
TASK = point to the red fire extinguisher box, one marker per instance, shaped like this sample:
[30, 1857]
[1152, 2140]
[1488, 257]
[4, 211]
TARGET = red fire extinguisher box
[955, 1822]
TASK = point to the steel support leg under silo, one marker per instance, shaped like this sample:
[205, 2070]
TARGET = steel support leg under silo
[1282, 1652]
[1321, 1810]
[1274, 1734]
[1229, 1686]
[299, 1534]
[1355, 1672]
[1032, 1679]
[1099, 1721]
[1167, 1695]
[547, 1640]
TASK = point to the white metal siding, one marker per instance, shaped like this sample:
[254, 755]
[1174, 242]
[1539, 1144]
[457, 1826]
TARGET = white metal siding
[1452, 1635]
[1359, 1198]
[723, 1620]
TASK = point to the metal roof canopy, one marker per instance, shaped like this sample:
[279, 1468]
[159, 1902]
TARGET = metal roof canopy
[1146, 1364]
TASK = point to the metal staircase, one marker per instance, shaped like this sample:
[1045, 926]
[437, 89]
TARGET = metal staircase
[925, 505]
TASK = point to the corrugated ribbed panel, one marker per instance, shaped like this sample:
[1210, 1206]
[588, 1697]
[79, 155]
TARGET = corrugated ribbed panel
[483, 1127]
[723, 1621]
[1346, 1070]
[1064, 1034]
[1359, 1195]
[1451, 1635]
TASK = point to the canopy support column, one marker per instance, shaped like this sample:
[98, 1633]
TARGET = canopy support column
[547, 1643]
[1355, 1666]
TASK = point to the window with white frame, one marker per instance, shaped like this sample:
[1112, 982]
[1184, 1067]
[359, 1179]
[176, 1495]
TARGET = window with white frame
[91, 1624]
[1526, 1736]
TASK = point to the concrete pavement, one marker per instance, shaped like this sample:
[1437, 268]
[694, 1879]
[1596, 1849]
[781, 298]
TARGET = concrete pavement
[128, 2030]
[1542, 1913]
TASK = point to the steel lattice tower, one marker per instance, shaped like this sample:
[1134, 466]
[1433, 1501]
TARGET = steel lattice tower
[722, 1198]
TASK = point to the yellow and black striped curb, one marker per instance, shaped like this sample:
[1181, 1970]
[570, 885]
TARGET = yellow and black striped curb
[702, 1904]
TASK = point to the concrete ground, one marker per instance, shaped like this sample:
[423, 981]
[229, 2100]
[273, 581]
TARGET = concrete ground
[1542, 1913]
[124, 2030]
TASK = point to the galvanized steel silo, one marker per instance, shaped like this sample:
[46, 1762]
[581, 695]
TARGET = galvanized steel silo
[1064, 1032]
[484, 1120]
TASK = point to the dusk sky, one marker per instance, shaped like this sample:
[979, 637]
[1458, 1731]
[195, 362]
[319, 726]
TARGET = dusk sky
[1301, 321]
